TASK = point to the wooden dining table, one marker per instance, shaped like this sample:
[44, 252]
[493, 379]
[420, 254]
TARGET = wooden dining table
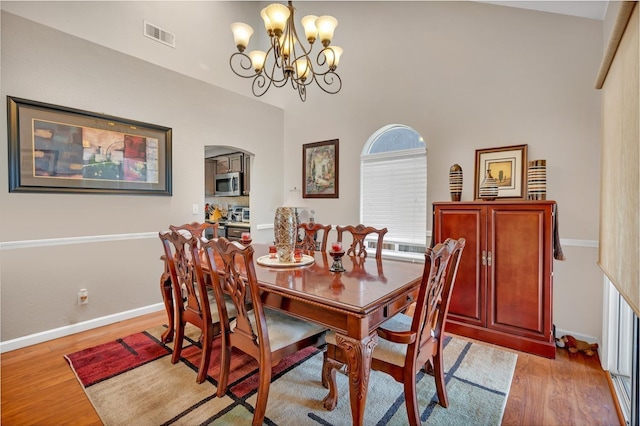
[353, 303]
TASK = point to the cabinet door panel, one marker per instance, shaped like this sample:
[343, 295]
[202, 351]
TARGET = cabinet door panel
[468, 297]
[246, 177]
[209, 177]
[517, 271]
[235, 163]
[222, 165]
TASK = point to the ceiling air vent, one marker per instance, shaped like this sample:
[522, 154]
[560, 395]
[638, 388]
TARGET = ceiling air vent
[158, 34]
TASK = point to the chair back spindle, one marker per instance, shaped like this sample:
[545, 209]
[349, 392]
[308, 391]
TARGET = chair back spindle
[359, 232]
[310, 233]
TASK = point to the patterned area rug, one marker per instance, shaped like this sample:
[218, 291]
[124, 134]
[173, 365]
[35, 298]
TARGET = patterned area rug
[132, 381]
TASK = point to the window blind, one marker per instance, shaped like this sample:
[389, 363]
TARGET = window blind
[394, 194]
[619, 245]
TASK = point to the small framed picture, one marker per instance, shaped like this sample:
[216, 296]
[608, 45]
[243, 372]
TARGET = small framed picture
[507, 165]
[320, 169]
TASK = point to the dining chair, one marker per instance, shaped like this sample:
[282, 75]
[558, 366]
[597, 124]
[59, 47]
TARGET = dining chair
[311, 231]
[195, 301]
[358, 245]
[196, 229]
[166, 289]
[265, 334]
[407, 344]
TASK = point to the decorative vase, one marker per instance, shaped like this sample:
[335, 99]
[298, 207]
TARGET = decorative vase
[537, 180]
[455, 182]
[284, 226]
[488, 187]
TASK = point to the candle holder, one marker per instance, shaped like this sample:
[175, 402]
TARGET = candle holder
[337, 261]
[245, 239]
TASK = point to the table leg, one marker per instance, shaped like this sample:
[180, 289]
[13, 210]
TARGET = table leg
[167, 296]
[358, 354]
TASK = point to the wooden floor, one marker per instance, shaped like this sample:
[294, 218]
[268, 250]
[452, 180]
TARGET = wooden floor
[38, 387]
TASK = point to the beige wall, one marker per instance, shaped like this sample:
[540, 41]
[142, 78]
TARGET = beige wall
[469, 76]
[465, 75]
[115, 251]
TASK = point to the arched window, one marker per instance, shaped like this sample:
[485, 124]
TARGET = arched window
[393, 188]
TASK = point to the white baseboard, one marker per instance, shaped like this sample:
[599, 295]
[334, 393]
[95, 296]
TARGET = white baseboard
[67, 330]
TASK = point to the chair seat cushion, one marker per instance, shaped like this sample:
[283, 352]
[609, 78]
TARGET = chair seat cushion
[284, 329]
[213, 306]
[393, 353]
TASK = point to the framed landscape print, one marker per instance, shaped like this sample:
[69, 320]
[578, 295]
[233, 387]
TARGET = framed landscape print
[320, 169]
[507, 165]
[59, 149]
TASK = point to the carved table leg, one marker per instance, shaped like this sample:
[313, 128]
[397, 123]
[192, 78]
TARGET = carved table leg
[167, 296]
[358, 354]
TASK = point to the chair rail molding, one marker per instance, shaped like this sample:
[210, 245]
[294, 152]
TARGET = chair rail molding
[12, 245]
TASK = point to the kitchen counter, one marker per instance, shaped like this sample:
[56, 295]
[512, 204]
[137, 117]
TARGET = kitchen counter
[231, 224]
[236, 224]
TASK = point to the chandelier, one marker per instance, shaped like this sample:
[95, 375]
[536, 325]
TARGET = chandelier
[288, 60]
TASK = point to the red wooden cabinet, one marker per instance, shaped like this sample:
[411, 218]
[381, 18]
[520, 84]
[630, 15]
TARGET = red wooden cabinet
[503, 292]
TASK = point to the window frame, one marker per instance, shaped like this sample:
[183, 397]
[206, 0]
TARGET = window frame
[409, 153]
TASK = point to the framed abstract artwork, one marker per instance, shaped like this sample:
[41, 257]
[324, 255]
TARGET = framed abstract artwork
[320, 169]
[507, 165]
[59, 149]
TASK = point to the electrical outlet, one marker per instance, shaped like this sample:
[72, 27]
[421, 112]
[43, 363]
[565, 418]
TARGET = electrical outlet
[83, 297]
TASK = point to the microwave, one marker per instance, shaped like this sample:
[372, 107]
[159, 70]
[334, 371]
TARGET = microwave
[228, 184]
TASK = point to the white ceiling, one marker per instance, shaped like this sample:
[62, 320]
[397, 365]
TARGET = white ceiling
[582, 8]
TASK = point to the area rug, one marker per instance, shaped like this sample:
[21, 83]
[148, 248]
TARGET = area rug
[131, 381]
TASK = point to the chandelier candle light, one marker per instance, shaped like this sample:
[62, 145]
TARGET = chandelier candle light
[288, 60]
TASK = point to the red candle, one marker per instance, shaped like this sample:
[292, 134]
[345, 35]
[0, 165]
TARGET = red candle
[246, 236]
[336, 246]
[297, 255]
[272, 251]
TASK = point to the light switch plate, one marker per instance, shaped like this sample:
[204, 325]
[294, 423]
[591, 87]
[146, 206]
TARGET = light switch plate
[195, 209]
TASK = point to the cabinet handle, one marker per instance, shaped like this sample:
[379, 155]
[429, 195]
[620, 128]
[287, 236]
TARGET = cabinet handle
[489, 259]
[484, 258]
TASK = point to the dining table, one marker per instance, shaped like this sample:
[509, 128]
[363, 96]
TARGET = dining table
[353, 302]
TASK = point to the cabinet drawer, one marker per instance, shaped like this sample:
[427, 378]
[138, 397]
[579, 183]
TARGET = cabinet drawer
[400, 303]
[233, 232]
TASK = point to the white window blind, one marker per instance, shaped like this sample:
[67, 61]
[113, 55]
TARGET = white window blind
[394, 194]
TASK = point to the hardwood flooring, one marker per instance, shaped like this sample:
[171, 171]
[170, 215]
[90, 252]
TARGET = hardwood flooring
[39, 388]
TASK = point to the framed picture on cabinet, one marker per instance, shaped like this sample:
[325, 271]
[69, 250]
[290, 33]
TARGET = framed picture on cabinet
[320, 169]
[60, 149]
[507, 165]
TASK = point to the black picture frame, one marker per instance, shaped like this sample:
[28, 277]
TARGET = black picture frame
[508, 165]
[60, 149]
[320, 163]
